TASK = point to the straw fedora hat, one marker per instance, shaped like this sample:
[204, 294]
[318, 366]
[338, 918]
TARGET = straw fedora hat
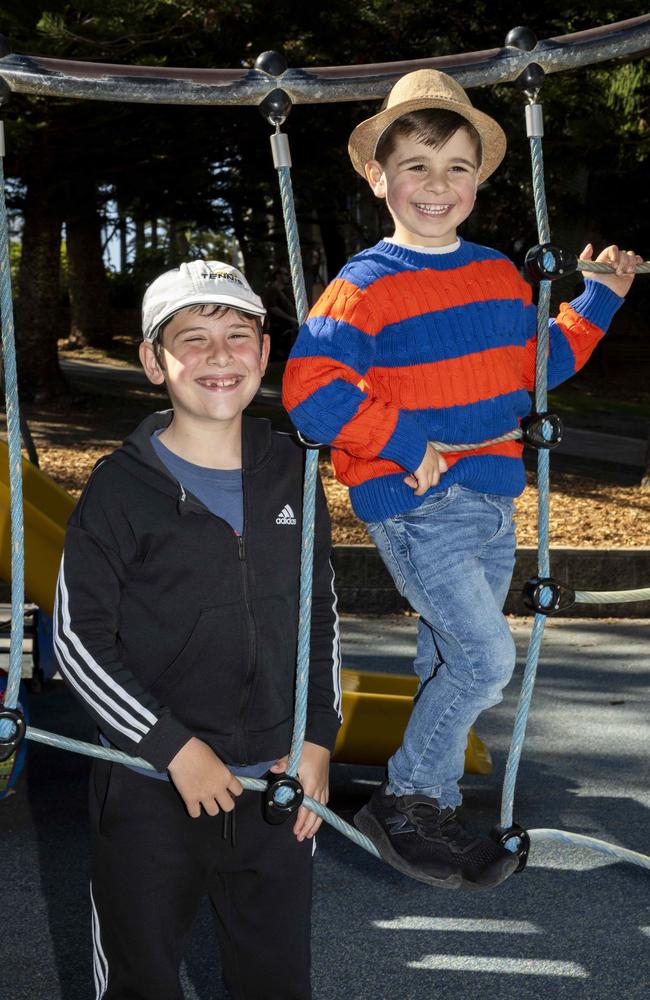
[427, 88]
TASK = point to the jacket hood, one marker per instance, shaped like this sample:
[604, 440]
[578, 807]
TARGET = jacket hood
[138, 456]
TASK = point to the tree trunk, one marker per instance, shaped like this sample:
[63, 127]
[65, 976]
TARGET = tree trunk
[645, 481]
[178, 248]
[87, 282]
[139, 239]
[334, 246]
[252, 252]
[123, 245]
[37, 304]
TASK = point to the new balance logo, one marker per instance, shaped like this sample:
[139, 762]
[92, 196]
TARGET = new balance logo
[399, 824]
[286, 516]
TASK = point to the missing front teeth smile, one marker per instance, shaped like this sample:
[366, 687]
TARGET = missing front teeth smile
[219, 383]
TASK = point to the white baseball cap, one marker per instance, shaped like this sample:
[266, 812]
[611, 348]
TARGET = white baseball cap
[198, 282]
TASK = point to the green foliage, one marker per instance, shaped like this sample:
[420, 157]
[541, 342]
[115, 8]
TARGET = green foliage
[15, 250]
[14, 260]
[209, 171]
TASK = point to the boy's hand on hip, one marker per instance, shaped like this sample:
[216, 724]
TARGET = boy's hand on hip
[428, 473]
[623, 262]
[313, 774]
[202, 780]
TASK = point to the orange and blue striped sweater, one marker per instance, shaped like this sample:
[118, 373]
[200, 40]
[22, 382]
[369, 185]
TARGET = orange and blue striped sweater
[405, 347]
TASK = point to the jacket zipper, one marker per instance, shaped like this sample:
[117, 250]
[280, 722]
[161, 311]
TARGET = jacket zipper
[252, 643]
[242, 750]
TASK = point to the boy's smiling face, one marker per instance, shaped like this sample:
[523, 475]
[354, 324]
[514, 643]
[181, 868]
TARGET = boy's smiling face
[212, 365]
[428, 191]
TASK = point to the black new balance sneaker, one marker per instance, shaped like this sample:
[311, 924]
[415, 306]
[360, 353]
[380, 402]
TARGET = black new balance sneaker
[427, 843]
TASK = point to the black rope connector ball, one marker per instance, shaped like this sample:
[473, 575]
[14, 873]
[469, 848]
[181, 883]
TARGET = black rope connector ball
[276, 106]
[521, 38]
[502, 834]
[531, 79]
[545, 262]
[542, 430]
[9, 744]
[277, 812]
[546, 596]
[272, 63]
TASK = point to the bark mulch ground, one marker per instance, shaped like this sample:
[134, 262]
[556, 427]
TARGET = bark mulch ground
[584, 511]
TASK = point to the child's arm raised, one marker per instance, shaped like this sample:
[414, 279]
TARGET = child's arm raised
[623, 261]
[581, 323]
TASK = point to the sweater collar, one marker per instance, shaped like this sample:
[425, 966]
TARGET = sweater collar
[420, 258]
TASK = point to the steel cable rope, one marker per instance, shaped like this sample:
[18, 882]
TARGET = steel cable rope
[535, 133]
[311, 464]
[15, 462]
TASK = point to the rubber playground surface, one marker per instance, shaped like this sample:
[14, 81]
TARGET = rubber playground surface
[573, 925]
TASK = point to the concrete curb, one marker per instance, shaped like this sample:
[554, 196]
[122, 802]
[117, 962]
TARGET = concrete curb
[364, 585]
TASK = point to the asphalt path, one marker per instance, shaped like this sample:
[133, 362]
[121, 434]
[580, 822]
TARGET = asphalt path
[574, 925]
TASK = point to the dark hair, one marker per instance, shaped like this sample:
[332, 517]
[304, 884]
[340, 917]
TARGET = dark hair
[432, 126]
[206, 309]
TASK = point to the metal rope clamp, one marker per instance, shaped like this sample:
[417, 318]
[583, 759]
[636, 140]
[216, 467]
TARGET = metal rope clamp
[9, 744]
[502, 834]
[276, 811]
[545, 262]
[542, 430]
[547, 596]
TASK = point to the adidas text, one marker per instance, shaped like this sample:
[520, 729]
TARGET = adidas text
[286, 516]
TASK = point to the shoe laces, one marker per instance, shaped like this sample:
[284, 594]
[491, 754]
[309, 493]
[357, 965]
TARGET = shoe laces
[430, 821]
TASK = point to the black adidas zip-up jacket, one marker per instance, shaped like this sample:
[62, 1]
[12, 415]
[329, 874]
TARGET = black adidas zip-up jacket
[168, 625]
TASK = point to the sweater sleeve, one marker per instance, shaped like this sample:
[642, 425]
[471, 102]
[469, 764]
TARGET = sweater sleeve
[87, 648]
[324, 699]
[574, 333]
[324, 390]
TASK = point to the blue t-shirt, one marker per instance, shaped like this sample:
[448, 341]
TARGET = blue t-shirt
[219, 489]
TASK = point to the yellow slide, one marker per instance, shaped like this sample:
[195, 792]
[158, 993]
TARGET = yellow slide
[46, 508]
[376, 706]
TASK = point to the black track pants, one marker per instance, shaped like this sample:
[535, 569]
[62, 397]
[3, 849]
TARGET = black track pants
[151, 865]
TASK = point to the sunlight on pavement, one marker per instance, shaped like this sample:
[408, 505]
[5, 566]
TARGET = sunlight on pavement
[514, 966]
[462, 924]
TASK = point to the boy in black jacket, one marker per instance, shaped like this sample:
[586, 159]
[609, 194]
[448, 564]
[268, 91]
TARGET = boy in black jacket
[176, 624]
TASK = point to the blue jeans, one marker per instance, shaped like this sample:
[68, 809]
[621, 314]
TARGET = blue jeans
[452, 559]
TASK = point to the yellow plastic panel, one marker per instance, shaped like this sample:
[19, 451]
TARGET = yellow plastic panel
[46, 510]
[376, 709]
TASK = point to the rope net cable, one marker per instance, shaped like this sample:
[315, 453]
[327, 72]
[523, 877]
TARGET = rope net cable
[311, 466]
[598, 267]
[534, 647]
[15, 464]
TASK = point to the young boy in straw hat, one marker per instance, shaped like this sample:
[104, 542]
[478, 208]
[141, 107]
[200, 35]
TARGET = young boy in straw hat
[426, 337]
